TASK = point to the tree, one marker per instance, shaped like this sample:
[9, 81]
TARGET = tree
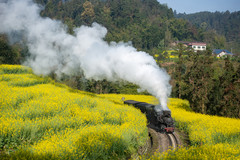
[88, 15]
[237, 91]
[198, 81]
[219, 42]
[229, 103]
[8, 55]
[69, 22]
[168, 36]
[179, 71]
[101, 87]
[203, 26]
[181, 29]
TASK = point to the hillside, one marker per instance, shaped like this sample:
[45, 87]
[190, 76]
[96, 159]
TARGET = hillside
[143, 22]
[149, 25]
[46, 120]
[223, 23]
[75, 59]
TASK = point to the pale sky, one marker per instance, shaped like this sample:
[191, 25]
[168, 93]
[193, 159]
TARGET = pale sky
[193, 6]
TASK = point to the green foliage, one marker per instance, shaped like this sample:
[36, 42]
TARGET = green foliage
[214, 40]
[142, 22]
[8, 55]
[178, 71]
[225, 93]
[41, 1]
[199, 76]
[224, 24]
[102, 86]
[182, 29]
[210, 86]
[88, 15]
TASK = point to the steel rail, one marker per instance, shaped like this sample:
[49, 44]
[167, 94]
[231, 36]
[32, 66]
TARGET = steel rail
[174, 143]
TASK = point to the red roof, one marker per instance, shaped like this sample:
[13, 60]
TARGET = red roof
[192, 43]
[197, 43]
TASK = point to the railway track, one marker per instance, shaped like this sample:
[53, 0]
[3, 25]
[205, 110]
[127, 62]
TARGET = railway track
[173, 140]
[159, 142]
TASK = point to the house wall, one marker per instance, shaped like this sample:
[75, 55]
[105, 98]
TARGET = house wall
[198, 48]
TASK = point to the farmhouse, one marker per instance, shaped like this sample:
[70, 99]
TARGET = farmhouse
[197, 46]
[221, 52]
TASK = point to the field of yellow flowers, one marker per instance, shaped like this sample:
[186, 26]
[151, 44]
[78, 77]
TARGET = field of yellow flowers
[41, 119]
[211, 137]
[44, 120]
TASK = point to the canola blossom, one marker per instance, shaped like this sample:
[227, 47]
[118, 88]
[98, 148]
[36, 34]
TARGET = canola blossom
[204, 129]
[211, 137]
[46, 120]
[42, 119]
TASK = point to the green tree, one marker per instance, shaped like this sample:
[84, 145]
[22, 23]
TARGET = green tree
[236, 97]
[70, 23]
[88, 14]
[181, 29]
[229, 102]
[101, 87]
[179, 71]
[204, 26]
[198, 81]
[219, 42]
[168, 36]
[8, 55]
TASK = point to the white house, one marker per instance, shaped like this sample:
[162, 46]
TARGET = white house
[198, 46]
[222, 52]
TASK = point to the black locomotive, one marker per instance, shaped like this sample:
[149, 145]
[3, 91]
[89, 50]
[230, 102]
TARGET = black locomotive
[158, 119]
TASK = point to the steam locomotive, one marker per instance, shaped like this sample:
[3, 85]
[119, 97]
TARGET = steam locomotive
[158, 119]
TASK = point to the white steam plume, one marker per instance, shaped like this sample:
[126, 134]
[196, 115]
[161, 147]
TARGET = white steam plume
[54, 50]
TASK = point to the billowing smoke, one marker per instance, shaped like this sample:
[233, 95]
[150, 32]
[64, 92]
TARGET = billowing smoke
[54, 50]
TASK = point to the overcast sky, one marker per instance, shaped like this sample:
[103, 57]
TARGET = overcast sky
[193, 6]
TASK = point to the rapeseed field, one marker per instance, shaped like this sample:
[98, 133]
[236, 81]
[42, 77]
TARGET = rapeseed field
[41, 119]
[211, 137]
[44, 120]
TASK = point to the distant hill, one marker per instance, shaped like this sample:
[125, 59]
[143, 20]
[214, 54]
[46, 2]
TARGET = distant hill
[224, 23]
[149, 25]
[146, 23]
